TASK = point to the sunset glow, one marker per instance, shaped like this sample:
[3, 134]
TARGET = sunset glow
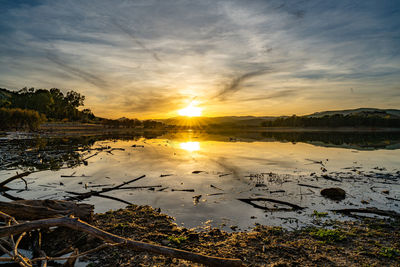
[190, 111]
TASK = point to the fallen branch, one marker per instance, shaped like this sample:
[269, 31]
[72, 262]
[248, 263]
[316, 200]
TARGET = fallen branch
[18, 176]
[39, 209]
[307, 185]
[11, 197]
[139, 187]
[327, 177]
[250, 201]
[77, 224]
[376, 211]
[82, 196]
[183, 190]
[103, 246]
[114, 198]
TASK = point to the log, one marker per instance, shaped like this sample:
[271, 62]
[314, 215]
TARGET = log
[250, 201]
[76, 224]
[39, 209]
[376, 211]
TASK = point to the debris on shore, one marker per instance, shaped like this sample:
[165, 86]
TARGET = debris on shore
[367, 242]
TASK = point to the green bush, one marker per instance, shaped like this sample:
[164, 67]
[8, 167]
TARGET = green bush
[20, 119]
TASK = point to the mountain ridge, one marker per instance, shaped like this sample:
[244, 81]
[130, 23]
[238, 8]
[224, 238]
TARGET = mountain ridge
[256, 120]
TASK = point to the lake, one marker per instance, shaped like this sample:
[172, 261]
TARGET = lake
[199, 177]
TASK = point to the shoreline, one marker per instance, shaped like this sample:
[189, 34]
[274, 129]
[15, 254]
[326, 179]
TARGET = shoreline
[364, 242]
[72, 129]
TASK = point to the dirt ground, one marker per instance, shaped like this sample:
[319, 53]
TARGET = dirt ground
[364, 242]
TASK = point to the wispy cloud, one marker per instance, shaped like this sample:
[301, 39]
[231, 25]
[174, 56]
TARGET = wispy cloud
[154, 56]
[130, 33]
[76, 71]
[236, 84]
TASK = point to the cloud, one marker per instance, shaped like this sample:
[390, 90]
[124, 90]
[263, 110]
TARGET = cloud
[279, 94]
[151, 102]
[236, 83]
[130, 32]
[88, 77]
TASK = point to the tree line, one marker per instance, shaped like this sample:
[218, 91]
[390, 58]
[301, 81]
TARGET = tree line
[51, 103]
[28, 107]
[132, 123]
[337, 120]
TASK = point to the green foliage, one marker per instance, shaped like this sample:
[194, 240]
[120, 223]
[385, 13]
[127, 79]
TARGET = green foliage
[177, 240]
[389, 252]
[328, 236]
[51, 103]
[319, 214]
[16, 118]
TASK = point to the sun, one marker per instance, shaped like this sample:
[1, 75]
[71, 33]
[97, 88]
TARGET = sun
[190, 111]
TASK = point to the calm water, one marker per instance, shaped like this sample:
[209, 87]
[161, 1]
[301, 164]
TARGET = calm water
[217, 169]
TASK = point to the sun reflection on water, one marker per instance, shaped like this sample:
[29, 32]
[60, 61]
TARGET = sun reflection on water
[190, 146]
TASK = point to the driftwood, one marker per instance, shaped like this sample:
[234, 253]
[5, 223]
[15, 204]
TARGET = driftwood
[39, 209]
[79, 225]
[103, 196]
[18, 176]
[82, 196]
[139, 187]
[11, 197]
[183, 190]
[376, 211]
[311, 186]
[114, 198]
[250, 201]
[327, 177]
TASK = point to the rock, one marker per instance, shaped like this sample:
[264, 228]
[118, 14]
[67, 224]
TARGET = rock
[334, 193]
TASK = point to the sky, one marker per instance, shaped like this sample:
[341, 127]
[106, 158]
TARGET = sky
[148, 59]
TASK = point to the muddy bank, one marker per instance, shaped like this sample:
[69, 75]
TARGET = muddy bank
[364, 242]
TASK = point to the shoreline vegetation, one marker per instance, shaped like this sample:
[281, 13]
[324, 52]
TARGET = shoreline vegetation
[143, 236]
[34, 109]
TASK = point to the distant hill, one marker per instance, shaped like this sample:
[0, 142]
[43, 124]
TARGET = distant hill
[359, 112]
[226, 120]
[370, 117]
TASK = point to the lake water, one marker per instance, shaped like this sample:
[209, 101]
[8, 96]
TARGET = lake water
[215, 170]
